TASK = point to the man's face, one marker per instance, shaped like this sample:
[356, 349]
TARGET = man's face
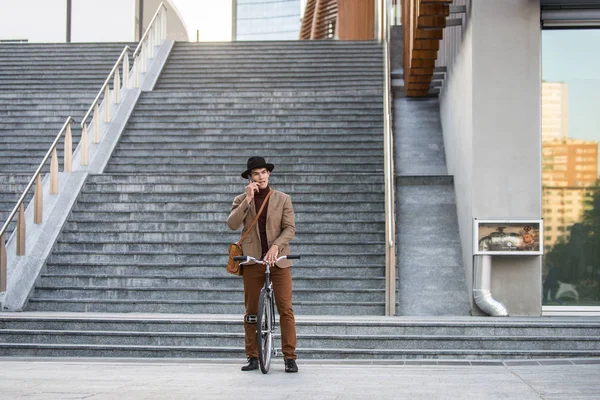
[260, 176]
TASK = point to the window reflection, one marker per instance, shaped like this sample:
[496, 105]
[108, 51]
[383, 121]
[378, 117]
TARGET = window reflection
[268, 19]
[571, 186]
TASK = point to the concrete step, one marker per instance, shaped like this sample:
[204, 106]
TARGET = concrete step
[309, 325]
[328, 258]
[99, 245]
[217, 281]
[226, 178]
[299, 207]
[179, 236]
[262, 84]
[259, 117]
[233, 135]
[205, 187]
[150, 335]
[303, 147]
[314, 341]
[375, 124]
[197, 307]
[81, 225]
[182, 197]
[130, 165]
[244, 109]
[370, 270]
[316, 216]
[206, 295]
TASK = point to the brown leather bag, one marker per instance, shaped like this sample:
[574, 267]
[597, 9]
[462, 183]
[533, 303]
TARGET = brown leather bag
[235, 249]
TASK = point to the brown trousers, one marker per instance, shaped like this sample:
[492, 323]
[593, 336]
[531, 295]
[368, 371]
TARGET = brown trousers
[254, 279]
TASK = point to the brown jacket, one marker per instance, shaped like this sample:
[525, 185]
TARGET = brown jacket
[280, 224]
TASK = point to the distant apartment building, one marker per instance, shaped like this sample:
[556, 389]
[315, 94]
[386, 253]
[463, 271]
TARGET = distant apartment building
[266, 19]
[569, 163]
[569, 168]
[555, 110]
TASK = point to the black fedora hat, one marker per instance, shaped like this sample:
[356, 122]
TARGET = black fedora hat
[254, 163]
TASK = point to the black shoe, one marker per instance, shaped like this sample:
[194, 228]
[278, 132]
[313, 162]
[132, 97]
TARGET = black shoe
[251, 365]
[290, 365]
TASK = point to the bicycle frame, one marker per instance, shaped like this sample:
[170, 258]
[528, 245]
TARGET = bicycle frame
[265, 324]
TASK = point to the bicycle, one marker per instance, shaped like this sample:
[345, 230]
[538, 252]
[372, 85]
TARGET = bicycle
[265, 317]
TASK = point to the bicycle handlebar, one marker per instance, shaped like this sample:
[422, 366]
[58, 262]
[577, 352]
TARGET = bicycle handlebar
[247, 259]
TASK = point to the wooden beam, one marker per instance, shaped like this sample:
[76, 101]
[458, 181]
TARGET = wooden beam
[429, 34]
[416, 93]
[424, 54]
[427, 44]
[421, 71]
[416, 64]
[419, 86]
[436, 1]
[429, 22]
[434, 9]
[420, 79]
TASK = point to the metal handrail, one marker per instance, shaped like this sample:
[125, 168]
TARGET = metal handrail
[139, 46]
[106, 83]
[35, 175]
[388, 149]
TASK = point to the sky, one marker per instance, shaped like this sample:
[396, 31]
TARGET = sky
[212, 18]
[573, 56]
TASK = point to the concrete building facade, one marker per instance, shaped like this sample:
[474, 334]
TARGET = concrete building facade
[555, 110]
[55, 21]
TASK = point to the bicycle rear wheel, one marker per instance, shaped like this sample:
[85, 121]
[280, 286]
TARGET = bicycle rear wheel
[264, 329]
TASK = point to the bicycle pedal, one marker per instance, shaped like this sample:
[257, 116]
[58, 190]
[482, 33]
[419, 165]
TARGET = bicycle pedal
[277, 353]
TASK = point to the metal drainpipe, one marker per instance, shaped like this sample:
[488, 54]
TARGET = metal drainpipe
[482, 288]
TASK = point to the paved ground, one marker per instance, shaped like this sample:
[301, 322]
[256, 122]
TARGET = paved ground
[34, 378]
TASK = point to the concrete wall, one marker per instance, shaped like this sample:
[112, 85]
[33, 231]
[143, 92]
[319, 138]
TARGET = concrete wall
[176, 28]
[33, 20]
[91, 20]
[490, 110]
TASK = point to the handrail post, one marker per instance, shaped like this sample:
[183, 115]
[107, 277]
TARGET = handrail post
[106, 105]
[2, 264]
[117, 86]
[126, 71]
[68, 151]
[38, 202]
[54, 173]
[96, 122]
[143, 59]
[21, 230]
[164, 25]
[83, 156]
[136, 76]
[151, 42]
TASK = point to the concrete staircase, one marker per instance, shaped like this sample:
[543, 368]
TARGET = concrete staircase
[319, 337]
[431, 278]
[430, 275]
[40, 86]
[149, 235]
[138, 271]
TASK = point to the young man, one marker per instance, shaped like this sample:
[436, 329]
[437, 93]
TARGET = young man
[268, 240]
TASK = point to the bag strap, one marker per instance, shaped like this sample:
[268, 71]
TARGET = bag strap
[256, 218]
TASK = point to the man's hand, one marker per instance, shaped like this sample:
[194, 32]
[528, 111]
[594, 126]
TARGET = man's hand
[250, 190]
[272, 254]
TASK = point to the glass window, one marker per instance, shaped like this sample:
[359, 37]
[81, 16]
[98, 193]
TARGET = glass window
[268, 20]
[570, 137]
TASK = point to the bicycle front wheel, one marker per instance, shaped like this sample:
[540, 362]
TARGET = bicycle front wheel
[265, 320]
